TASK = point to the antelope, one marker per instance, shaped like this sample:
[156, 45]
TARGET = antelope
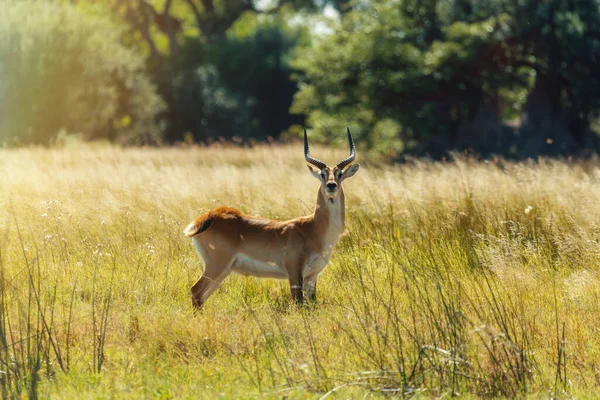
[297, 249]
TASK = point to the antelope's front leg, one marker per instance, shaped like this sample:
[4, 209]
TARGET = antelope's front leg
[296, 287]
[310, 273]
[309, 287]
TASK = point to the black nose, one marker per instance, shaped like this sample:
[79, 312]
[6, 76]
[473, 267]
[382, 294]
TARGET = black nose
[331, 185]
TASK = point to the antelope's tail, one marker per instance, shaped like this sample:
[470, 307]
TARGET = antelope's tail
[199, 225]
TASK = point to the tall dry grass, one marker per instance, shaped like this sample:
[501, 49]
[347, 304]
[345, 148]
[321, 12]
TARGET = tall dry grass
[468, 278]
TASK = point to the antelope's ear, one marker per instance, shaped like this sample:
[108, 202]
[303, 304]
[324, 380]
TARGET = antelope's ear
[316, 173]
[350, 171]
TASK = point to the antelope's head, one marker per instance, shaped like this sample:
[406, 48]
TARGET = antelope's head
[331, 177]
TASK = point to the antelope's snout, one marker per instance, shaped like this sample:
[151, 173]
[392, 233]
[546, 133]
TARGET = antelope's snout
[331, 190]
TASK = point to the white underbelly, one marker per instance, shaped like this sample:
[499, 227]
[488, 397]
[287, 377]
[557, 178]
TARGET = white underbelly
[246, 265]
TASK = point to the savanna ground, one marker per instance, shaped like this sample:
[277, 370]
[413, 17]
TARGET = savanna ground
[478, 279]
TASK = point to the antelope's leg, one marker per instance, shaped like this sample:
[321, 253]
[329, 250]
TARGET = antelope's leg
[208, 283]
[296, 287]
[310, 273]
[309, 287]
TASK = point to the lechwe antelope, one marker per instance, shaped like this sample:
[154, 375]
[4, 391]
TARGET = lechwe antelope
[297, 250]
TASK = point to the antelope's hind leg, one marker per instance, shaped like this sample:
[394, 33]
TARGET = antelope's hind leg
[215, 271]
[203, 288]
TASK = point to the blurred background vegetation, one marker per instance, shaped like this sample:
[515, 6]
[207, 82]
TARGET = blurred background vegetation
[518, 78]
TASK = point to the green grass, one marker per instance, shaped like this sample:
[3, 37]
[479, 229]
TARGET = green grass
[477, 279]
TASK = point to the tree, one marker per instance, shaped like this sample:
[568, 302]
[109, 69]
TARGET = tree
[252, 60]
[387, 67]
[67, 71]
[561, 43]
[221, 66]
[439, 73]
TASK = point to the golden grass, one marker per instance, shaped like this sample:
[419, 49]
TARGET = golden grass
[470, 278]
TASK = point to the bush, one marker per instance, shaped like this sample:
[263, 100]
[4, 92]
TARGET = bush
[62, 70]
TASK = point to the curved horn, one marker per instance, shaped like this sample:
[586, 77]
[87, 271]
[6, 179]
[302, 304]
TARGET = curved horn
[317, 163]
[352, 155]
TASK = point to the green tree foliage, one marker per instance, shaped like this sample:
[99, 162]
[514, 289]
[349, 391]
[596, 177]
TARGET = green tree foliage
[429, 76]
[253, 60]
[238, 85]
[420, 76]
[63, 70]
[221, 66]
[561, 43]
[386, 68]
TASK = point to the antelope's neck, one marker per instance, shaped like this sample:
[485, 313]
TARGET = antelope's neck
[330, 218]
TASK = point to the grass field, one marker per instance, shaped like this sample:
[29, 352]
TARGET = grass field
[477, 279]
